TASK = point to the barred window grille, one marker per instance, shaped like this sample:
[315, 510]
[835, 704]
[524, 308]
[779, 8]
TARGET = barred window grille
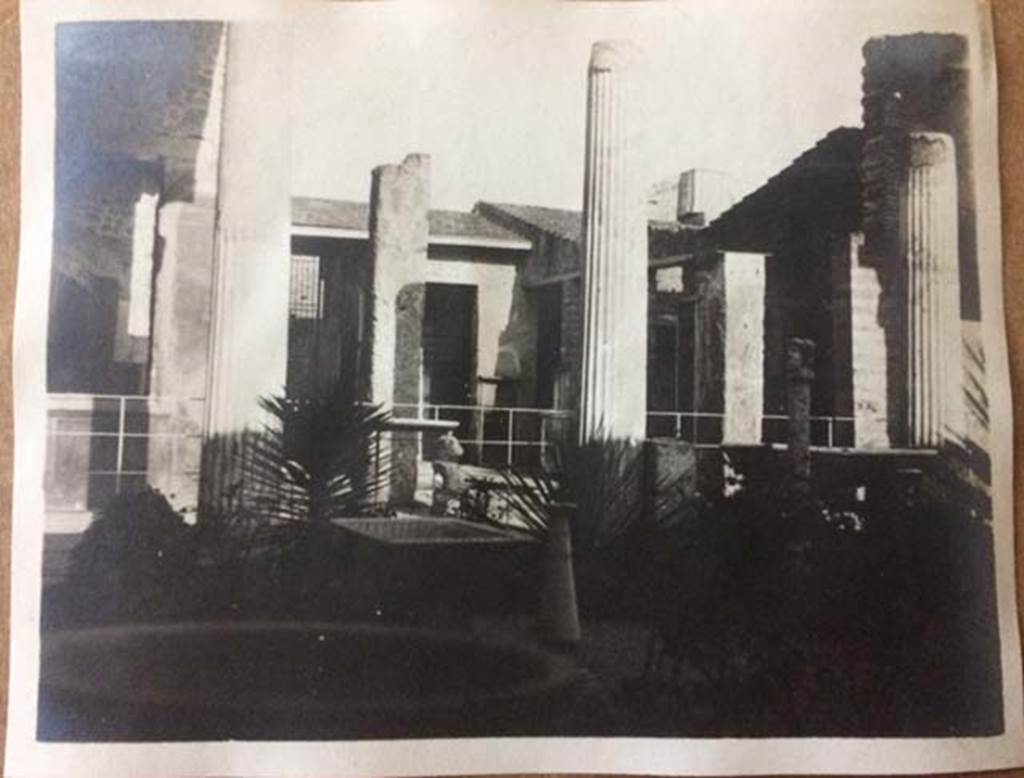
[306, 296]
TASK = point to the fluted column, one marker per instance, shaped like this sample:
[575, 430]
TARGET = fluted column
[928, 246]
[249, 318]
[613, 385]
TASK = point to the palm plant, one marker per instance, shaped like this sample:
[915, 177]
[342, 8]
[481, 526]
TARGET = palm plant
[604, 478]
[315, 460]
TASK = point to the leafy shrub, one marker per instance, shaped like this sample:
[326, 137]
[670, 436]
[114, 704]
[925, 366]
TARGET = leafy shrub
[136, 561]
[804, 619]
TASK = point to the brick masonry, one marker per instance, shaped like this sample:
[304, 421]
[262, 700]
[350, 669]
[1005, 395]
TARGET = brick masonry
[399, 202]
[122, 130]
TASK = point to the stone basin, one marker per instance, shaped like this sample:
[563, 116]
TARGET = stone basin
[288, 681]
[430, 531]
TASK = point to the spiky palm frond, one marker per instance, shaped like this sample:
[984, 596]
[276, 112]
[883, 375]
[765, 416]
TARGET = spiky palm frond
[604, 478]
[317, 459]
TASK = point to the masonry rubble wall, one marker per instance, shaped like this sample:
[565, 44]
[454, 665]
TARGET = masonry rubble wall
[916, 83]
[135, 132]
[399, 204]
[138, 136]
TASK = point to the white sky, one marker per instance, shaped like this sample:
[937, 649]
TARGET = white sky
[495, 92]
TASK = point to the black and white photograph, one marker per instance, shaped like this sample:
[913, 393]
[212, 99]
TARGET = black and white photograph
[564, 373]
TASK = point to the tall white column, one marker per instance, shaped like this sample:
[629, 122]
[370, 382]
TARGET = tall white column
[928, 242]
[613, 385]
[249, 322]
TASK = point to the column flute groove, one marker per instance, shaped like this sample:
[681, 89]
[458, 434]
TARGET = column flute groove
[613, 385]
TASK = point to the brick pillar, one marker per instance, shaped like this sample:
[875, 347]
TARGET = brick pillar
[399, 205]
[799, 380]
[931, 287]
[613, 384]
[181, 310]
[181, 340]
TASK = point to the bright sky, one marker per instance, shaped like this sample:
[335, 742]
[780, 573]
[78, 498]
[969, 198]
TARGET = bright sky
[495, 91]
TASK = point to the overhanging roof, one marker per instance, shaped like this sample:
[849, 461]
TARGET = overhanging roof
[350, 219]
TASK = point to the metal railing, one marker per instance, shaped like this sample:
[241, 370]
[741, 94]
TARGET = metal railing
[703, 430]
[706, 430]
[497, 435]
[826, 431]
[506, 435]
[100, 445]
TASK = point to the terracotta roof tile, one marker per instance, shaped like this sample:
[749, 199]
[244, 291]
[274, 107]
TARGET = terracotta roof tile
[553, 221]
[350, 215]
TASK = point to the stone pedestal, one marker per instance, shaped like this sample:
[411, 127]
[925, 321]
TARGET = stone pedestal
[249, 340]
[799, 380]
[670, 476]
[613, 382]
[929, 253]
[399, 205]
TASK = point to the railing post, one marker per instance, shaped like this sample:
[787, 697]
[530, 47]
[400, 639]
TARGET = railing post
[799, 379]
[480, 436]
[120, 444]
[542, 418]
[511, 428]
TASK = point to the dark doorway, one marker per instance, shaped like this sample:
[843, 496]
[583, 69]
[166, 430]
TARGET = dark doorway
[449, 344]
[328, 318]
[673, 370]
[663, 363]
[549, 342]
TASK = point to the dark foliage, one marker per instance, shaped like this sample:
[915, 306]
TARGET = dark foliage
[136, 561]
[604, 481]
[799, 619]
[270, 546]
[265, 548]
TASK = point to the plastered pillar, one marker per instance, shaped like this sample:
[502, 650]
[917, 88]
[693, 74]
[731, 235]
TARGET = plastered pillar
[743, 277]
